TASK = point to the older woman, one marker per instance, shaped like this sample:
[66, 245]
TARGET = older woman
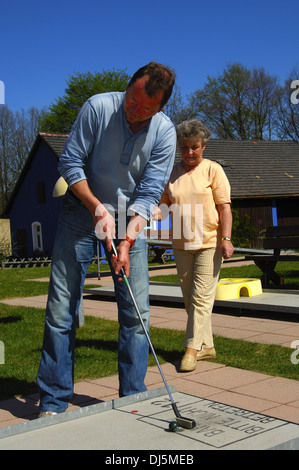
[199, 195]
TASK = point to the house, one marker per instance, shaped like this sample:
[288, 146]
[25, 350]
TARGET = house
[264, 178]
[32, 210]
[5, 238]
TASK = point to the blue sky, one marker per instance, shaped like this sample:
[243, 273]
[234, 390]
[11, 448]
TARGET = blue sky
[44, 42]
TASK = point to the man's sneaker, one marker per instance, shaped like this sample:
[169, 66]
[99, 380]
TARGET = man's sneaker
[44, 414]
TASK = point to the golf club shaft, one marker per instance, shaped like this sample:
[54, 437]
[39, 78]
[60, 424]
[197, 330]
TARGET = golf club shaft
[146, 333]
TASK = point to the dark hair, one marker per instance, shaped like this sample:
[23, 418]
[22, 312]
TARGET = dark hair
[160, 78]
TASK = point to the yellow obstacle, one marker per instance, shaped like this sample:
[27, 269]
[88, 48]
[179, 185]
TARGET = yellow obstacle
[234, 288]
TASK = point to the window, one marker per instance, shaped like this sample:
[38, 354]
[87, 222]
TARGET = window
[40, 192]
[37, 239]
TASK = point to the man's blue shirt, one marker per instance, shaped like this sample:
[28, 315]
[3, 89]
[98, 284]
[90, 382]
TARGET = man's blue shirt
[117, 163]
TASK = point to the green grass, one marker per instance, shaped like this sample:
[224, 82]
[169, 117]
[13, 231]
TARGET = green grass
[96, 351]
[20, 282]
[96, 348]
[14, 283]
[21, 331]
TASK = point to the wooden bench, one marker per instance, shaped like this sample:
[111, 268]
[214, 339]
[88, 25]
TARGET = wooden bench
[159, 247]
[276, 239]
[159, 241]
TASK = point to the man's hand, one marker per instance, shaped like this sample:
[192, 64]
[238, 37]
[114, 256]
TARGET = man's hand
[122, 259]
[104, 225]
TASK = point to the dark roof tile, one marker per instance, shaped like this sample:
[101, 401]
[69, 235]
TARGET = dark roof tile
[257, 169]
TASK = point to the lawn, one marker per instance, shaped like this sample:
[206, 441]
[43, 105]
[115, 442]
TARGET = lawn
[21, 331]
[16, 282]
[96, 351]
[20, 282]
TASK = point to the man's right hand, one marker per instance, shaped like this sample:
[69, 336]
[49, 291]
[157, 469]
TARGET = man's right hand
[122, 260]
[104, 225]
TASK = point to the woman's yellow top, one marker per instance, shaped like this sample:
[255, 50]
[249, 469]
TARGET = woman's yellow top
[191, 198]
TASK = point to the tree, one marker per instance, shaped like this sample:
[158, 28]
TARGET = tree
[17, 134]
[264, 96]
[7, 127]
[26, 130]
[80, 87]
[287, 116]
[175, 109]
[237, 104]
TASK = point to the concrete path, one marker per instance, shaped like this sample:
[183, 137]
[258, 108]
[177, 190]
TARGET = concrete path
[142, 423]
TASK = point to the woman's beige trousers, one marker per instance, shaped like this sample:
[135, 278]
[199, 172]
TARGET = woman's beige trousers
[198, 274]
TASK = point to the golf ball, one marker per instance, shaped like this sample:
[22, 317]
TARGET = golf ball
[173, 426]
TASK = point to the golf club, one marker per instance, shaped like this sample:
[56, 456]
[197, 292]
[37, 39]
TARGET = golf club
[187, 423]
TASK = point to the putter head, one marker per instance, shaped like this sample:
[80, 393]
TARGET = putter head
[186, 423]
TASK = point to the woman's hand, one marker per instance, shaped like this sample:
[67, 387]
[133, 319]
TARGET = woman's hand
[156, 214]
[226, 221]
[227, 249]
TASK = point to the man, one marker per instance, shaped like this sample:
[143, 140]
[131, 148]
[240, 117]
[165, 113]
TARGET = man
[117, 160]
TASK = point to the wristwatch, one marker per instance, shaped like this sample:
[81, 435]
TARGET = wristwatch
[225, 238]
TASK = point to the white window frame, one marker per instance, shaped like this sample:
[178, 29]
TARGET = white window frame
[37, 236]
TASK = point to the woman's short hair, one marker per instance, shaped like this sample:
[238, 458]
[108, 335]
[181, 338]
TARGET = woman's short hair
[193, 130]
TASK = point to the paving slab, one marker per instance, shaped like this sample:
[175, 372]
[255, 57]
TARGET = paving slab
[141, 422]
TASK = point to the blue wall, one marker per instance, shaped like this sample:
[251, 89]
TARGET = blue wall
[25, 210]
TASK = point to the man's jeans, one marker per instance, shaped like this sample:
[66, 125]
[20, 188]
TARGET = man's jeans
[72, 253]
